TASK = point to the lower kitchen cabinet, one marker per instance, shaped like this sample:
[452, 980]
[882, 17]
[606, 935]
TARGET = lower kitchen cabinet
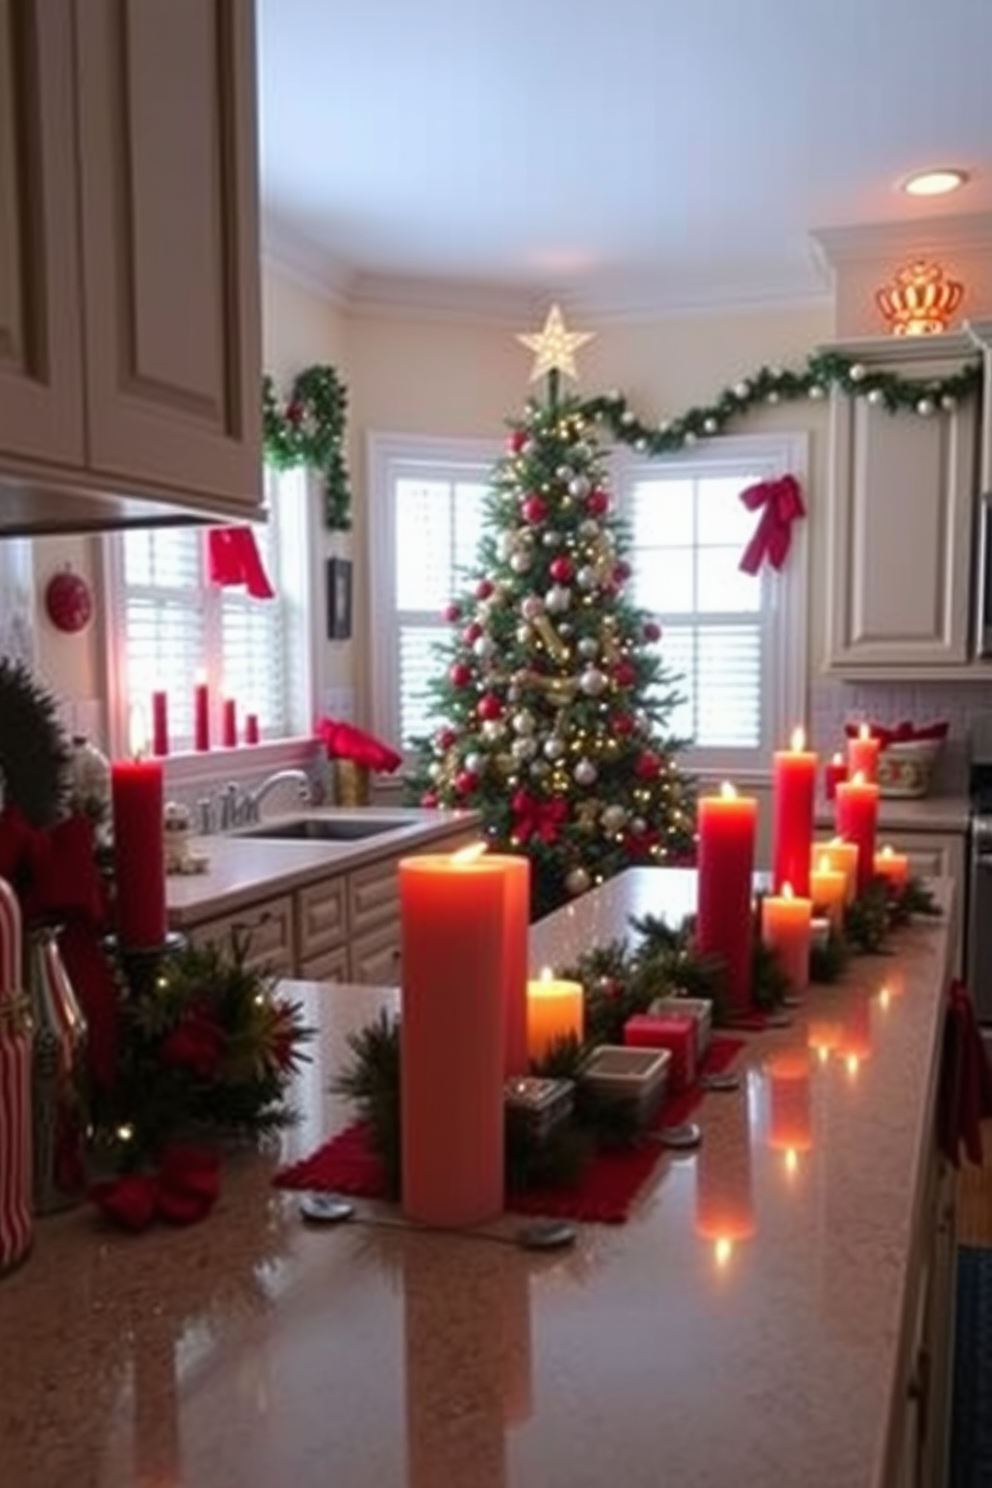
[268, 929]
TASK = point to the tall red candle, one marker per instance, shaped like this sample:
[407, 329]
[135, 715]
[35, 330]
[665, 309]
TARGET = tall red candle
[862, 754]
[229, 723]
[251, 728]
[139, 852]
[201, 714]
[856, 813]
[793, 788]
[160, 723]
[834, 771]
[452, 928]
[724, 928]
[516, 926]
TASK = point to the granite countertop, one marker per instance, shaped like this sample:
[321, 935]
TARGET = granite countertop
[254, 1350]
[926, 814]
[243, 869]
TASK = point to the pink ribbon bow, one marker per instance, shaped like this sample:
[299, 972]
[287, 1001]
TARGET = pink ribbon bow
[780, 503]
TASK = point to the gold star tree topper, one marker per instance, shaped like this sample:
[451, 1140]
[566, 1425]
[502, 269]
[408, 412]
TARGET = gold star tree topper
[554, 347]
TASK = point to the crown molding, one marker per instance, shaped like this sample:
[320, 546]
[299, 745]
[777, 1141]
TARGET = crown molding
[866, 243]
[383, 296]
[290, 254]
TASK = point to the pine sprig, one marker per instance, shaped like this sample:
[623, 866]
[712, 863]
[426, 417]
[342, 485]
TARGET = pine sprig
[308, 429]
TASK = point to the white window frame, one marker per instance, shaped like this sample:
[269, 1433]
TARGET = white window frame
[390, 456]
[187, 771]
[766, 456]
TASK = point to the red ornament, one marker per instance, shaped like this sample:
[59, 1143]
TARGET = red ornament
[561, 570]
[534, 510]
[625, 674]
[623, 725]
[471, 633]
[69, 602]
[460, 675]
[489, 706]
[484, 588]
[446, 739]
[295, 413]
[597, 503]
[621, 571]
[453, 613]
[429, 800]
[466, 781]
[652, 630]
[647, 766]
[517, 440]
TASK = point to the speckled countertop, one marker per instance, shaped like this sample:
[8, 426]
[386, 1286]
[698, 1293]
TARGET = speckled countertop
[252, 1351]
[244, 868]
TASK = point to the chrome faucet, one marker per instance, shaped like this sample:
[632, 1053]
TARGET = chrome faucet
[252, 800]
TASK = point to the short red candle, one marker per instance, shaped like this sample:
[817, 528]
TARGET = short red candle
[793, 788]
[676, 1034]
[833, 773]
[160, 723]
[724, 928]
[452, 913]
[251, 728]
[201, 714]
[862, 754]
[856, 811]
[139, 852]
[229, 723]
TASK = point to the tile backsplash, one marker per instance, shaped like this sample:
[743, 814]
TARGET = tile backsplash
[965, 706]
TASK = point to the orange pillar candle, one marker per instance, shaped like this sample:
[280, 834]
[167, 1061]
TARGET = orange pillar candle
[724, 925]
[555, 1010]
[452, 941]
[857, 820]
[785, 929]
[844, 857]
[862, 754]
[793, 790]
[516, 929]
[828, 890]
[893, 867]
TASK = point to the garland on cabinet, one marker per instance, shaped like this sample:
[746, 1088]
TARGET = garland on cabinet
[307, 428]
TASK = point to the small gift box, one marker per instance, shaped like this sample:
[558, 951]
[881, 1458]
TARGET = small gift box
[536, 1106]
[699, 1010]
[676, 1035]
[638, 1077]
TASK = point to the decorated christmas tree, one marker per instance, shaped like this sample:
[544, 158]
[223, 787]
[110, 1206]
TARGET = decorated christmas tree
[551, 697]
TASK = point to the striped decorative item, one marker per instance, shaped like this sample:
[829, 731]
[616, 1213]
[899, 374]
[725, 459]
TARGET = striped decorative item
[58, 1076]
[16, 1217]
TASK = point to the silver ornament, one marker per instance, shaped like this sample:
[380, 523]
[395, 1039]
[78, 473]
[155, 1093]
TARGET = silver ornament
[773, 397]
[948, 402]
[493, 729]
[690, 438]
[475, 763]
[513, 694]
[525, 635]
[558, 599]
[817, 392]
[532, 606]
[640, 445]
[520, 562]
[742, 390]
[484, 646]
[857, 372]
[538, 769]
[564, 472]
[627, 417]
[523, 722]
[589, 528]
[565, 630]
[875, 397]
[925, 407]
[710, 426]
[586, 577]
[554, 747]
[577, 881]
[579, 486]
[523, 749]
[638, 825]
[588, 647]
[592, 682]
[585, 772]
[507, 545]
[613, 818]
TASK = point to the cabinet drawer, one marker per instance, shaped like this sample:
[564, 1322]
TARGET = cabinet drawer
[330, 966]
[373, 896]
[268, 929]
[375, 957]
[321, 918]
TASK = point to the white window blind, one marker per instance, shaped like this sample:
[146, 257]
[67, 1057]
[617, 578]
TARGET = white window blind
[174, 624]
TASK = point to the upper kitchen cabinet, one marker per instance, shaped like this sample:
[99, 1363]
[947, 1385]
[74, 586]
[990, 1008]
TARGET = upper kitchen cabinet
[130, 349]
[901, 514]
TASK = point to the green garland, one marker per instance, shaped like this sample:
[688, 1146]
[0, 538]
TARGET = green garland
[308, 429]
[770, 385]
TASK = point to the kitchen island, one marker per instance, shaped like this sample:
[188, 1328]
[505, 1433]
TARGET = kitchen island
[756, 1324]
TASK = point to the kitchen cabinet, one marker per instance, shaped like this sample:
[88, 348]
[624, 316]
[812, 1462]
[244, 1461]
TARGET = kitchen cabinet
[268, 929]
[129, 269]
[900, 523]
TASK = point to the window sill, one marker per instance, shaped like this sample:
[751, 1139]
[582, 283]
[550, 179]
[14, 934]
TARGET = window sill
[185, 772]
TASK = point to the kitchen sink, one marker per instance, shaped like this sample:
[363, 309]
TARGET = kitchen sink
[327, 828]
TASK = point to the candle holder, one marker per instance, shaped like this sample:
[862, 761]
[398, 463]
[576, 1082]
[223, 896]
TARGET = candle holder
[637, 1078]
[698, 1010]
[535, 1107]
[142, 965]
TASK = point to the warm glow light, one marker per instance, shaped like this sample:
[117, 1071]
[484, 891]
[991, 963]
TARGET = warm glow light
[823, 863]
[864, 732]
[858, 778]
[791, 1160]
[137, 733]
[787, 891]
[934, 182]
[822, 1053]
[727, 791]
[884, 998]
[920, 300]
[838, 760]
[853, 1064]
[798, 741]
[722, 1251]
[470, 854]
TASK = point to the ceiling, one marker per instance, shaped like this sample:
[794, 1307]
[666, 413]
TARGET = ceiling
[618, 156]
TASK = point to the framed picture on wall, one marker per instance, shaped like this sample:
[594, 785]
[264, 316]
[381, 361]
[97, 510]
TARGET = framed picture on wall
[339, 599]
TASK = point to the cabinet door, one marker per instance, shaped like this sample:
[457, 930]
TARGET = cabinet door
[268, 930]
[902, 491]
[168, 158]
[375, 957]
[41, 393]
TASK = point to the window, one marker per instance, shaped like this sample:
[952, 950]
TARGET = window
[171, 624]
[738, 642]
[426, 523]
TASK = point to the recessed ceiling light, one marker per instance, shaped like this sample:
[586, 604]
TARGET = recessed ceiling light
[934, 182]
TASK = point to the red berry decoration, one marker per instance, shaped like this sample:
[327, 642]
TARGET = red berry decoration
[453, 613]
[489, 706]
[597, 503]
[625, 674]
[648, 766]
[466, 781]
[460, 675]
[562, 570]
[517, 440]
[534, 510]
[652, 630]
[484, 588]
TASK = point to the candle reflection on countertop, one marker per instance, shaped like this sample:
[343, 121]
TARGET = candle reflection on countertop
[725, 1212]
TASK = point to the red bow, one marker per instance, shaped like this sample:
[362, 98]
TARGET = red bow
[344, 741]
[233, 558]
[780, 504]
[182, 1192]
[535, 818]
[54, 871]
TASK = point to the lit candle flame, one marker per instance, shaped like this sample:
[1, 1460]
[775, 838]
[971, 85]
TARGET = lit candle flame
[837, 760]
[859, 777]
[791, 1161]
[728, 792]
[864, 732]
[823, 863]
[470, 854]
[886, 852]
[137, 732]
[798, 741]
[787, 890]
